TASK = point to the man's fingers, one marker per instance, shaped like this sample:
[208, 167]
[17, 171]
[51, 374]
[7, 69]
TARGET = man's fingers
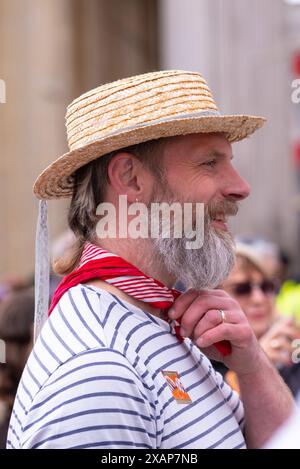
[214, 292]
[213, 318]
[200, 306]
[182, 303]
[188, 297]
[235, 333]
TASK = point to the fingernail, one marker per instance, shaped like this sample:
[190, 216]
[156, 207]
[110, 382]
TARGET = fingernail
[200, 342]
[171, 312]
[183, 332]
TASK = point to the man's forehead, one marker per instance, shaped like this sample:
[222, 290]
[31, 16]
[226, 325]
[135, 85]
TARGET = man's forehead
[214, 144]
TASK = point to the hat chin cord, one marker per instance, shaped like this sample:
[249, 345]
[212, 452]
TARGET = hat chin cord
[42, 265]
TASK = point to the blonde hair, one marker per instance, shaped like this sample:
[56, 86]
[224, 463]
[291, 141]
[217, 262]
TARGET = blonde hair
[248, 265]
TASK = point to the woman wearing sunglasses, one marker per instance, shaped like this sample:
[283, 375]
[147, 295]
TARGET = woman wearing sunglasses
[249, 284]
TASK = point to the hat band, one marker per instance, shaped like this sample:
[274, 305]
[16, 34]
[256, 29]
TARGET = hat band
[206, 113]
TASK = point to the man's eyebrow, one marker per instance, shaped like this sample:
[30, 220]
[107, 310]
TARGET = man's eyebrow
[218, 154]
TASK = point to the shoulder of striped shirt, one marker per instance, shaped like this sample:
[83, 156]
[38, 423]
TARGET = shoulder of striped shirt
[72, 361]
[119, 383]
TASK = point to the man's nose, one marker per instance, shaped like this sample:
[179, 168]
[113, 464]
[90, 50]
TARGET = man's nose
[235, 186]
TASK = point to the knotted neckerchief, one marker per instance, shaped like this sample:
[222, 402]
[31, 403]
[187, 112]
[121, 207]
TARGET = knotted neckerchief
[98, 263]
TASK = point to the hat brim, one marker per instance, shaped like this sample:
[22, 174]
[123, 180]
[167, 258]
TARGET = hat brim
[56, 180]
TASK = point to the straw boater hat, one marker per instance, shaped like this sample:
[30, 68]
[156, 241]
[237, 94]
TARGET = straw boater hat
[120, 114]
[134, 110]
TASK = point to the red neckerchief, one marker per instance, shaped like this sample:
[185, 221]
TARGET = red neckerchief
[98, 263]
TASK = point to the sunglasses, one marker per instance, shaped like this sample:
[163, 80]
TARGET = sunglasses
[246, 288]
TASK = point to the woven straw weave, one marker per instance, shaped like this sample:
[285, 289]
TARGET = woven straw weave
[134, 110]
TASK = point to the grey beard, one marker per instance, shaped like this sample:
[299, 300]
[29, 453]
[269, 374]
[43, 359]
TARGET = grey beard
[206, 267]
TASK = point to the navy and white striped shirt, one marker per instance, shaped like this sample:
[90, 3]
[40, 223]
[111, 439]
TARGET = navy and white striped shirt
[94, 380]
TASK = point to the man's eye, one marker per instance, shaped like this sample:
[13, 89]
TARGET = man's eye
[210, 163]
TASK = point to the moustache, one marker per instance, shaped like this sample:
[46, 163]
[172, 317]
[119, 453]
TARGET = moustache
[220, 210]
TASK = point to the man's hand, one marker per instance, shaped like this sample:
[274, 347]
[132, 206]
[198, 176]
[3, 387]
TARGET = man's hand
[267, 400]
[199, 314]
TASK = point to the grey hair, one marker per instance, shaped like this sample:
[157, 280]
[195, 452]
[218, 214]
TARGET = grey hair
[90, 185]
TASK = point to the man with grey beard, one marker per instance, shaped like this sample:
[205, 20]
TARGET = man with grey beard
[200, 268]
[122, 361]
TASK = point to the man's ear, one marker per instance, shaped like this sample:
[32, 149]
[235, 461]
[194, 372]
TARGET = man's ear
[126, 174]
